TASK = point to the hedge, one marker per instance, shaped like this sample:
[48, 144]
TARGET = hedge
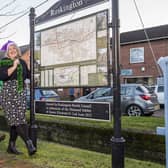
[139, 144]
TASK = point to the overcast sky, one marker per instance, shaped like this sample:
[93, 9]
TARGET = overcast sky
[153, 13]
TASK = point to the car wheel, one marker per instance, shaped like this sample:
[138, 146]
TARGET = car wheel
[134, 110]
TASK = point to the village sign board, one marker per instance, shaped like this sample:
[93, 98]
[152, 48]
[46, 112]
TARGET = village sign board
[63, 7]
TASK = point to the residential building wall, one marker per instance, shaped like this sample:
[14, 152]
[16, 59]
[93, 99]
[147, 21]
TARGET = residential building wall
[147, 71]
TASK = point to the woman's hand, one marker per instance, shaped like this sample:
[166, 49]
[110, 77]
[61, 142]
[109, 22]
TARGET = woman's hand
[16, 63]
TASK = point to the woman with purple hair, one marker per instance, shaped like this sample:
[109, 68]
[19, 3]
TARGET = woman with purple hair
[13, 72]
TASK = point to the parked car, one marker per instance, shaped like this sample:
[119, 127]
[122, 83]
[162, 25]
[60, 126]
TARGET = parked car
[159, 90]
[43, 95]
[136, 100]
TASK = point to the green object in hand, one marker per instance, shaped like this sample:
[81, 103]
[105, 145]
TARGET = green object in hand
[19, 74]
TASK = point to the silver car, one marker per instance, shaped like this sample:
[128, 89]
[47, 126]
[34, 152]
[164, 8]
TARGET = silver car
[136, 100]
[159, 91]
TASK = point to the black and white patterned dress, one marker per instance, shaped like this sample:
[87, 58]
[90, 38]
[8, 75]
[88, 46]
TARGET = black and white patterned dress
[13, 101]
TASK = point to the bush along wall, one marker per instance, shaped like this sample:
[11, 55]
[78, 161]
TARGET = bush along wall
[139, 145]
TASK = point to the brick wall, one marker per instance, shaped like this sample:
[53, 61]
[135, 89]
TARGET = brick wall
[160, 48]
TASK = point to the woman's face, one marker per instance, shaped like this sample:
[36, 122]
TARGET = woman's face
[12, 52]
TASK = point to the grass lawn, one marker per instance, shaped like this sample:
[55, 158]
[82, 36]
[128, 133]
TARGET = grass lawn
[142, 123]
[52, 155]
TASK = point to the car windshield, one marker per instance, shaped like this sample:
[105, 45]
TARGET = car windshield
[102, 92]
[49, 92]
[142, 89]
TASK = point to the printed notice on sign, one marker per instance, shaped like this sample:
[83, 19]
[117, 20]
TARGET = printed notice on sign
[93, 110]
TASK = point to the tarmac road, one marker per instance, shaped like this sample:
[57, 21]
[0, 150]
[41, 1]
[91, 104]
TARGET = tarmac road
[159, 113]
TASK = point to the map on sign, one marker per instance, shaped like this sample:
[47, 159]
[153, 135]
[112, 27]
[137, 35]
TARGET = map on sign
[64, 75]
[85, 71]
[73, 42]
[74, 53]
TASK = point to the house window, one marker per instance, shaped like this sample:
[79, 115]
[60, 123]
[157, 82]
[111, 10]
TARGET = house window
[137, 55]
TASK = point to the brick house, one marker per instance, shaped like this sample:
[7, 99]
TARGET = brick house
[139, 54]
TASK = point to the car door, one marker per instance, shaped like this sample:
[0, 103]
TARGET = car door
[127, 93]
[102, 95]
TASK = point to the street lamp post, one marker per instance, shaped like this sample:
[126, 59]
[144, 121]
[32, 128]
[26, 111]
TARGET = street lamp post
[117, 140]
[33, 126]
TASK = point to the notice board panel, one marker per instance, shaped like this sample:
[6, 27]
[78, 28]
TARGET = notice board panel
[87, 110]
